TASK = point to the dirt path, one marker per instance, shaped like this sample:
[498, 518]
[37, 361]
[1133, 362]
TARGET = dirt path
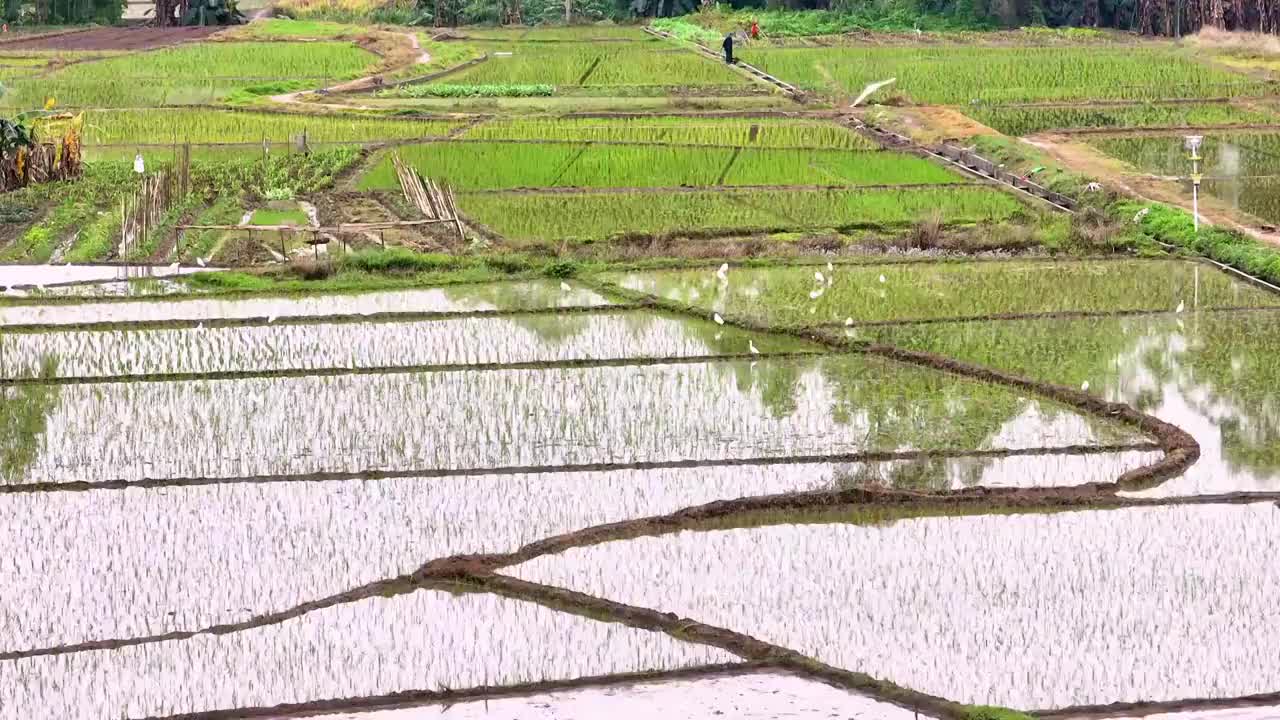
[1085, 160]
[364, 83]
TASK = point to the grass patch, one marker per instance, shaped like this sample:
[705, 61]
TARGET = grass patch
[268, 216]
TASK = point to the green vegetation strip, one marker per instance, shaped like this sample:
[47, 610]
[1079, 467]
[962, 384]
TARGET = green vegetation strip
[620, 64]
[487, 166]
[112, 127]
[736, 132]
[445, 90]
[1027, 120]
[596, 217]
[190, 74]
[961, 74]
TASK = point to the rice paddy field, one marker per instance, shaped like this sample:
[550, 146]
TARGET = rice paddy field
[699, 411]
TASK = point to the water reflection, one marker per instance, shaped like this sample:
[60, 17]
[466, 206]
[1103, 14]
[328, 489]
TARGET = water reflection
[451, 341]
[427, 640]
[540, 294]
[1212, 374]
[1028, 611]
[542, 417]
[29, 277]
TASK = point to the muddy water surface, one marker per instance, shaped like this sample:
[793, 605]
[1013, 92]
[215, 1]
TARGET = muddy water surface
[503, 418]
[1029, 611]
[427, 640]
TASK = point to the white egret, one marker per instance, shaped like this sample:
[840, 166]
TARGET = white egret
[175, 267]
[723, 272]
[271, 319]
[815, 294]
[866, 92]
[848, 322]
[1085, 386]
[751, 345]
[1181, 306]
[200, 261]
[882, 279]
[830, 268]
[818, 276]
[565, 286]
[716, 316]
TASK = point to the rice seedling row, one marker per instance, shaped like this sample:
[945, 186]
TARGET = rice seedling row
[251, 570]
[421, 639]
[207, 126]
[956, 74]
[1025, 121]
[188, 74]
[557, 217]
[485, 166]
[532, 418]
[734, 132]
[588, 64]
[458, 341]
[795, 296]
[460, 298]
[1156, 588]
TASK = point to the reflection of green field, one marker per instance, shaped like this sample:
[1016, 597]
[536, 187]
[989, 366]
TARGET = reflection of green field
[786, 296]
[1214, 374]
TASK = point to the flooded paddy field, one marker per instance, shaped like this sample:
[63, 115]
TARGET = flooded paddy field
[1210, 373]
[492, 497]
[929, 604]
[423, 639]
[1240, 169]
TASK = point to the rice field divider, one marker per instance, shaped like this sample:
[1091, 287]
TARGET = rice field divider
[328, 319]
[725, 189]
[752, 71]
[414, 80]
[894, 497]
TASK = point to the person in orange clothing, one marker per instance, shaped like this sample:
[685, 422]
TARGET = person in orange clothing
[755, 29]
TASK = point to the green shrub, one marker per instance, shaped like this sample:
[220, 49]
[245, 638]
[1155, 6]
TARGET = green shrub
[400, 260]
[1177, 227]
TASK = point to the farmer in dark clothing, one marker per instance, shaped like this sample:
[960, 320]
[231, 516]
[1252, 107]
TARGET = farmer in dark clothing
[728, 48]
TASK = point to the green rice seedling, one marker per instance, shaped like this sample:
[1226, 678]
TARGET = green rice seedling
[593, 217]
[820, 167]
[178, 125]
[1027, 120]
[470, 166]
[677, 131]
[204, 243]
[462, 91]
[488, 166]
[595, 64]
[192, 73]
[961, 74]
[932, 291]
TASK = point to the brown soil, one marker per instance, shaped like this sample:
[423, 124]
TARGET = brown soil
[242, 251]
[121, 38]
[1115, 175]
[933, 124]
